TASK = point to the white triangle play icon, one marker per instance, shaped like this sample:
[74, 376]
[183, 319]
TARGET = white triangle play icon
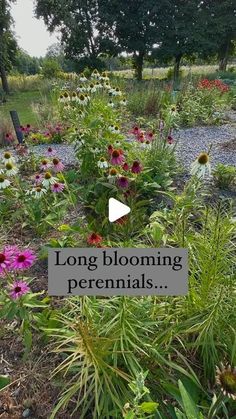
[117, 210]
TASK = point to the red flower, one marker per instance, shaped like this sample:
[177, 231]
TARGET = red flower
[125, 167]
[136, 167]
[110, 149]
[94, 239]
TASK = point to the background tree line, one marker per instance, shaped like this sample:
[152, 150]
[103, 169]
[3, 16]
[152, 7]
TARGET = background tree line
[95, 32]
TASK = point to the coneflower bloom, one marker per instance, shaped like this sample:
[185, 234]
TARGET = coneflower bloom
[117, 157]
[113, 173]
[111, 104]
[110, 149]
[11, 250]
[123, 182]
[11, 170]
[4, 183]
[23, 259]
[136, 167]
[82, 78]
[102, 163]
[150, 136]
[57, 187]
[9, 138]
[226, 378]
[45, 164]
[94, 239]
[135, 130]
[170, 139]
[8, 158]
[58, 166]
[50, 151]
[38, 192]
[38, 179]
[48, 180]
[125, 167]
[18, 289]
[201, 166]
[123, 102]
[5, 261]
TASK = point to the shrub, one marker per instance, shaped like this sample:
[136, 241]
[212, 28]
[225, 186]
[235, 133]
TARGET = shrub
[224, 176]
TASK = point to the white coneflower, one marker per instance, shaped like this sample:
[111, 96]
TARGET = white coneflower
[98, 85]
[38, 192]
[48, 180]
[117, 92]
[111, 104]
[82, 78]
[95, 74]
[201, 166]
[111, 91]
[123, 102]
[10, 169]
[116, 129]
[81, 89]
[74, 97]
[66, 97]
[102, 163]
[226, 378]
[8, 158]
[95, 150]
[113, 175]
[107, 86]
[82, 99]
[4, 183]
[92, 88]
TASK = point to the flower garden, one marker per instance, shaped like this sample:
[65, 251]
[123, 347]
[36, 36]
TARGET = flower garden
[118, 357]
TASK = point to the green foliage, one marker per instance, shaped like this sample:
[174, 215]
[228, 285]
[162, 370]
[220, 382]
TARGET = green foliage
[224, 176]
[50, 69]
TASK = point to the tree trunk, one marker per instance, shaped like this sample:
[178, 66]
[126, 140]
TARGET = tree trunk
[138, 65]
[223, 55]
[3, 76]
[177, 68]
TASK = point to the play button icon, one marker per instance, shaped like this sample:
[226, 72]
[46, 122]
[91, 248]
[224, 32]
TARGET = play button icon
[117, 210]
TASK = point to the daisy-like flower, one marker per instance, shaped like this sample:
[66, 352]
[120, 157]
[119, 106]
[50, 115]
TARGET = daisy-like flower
[57, 187]
[117, 157]
[61, 98]
[201, 166]
[82, 78]
[82, 99]
[38, 192]
[94, 239]
[111, 104]
[123, 182]
[8, 158]
[110, 149]
[123, 102]
[9, 137]
[66, 97]
[170, 139]
[18, 289]
[45, 164]
[125, 167]
[11, 250]
[74, 97]
[136, 167]
[135, 130]
[92, 88]
[102, 163]
[4, 183]
[5, 261]
[57, 165]
[10, 169]
[23, 259]
[117, 92]
[95, 74]
[95, 150]
[147, 144]
[48, 180]
[38, 179]
[113, 173]
[226, 378]
[150, 136]
[50, 152]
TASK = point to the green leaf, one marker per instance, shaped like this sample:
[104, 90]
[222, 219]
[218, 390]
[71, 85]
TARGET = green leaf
[148, 407]
[190, 408]
[4, 381]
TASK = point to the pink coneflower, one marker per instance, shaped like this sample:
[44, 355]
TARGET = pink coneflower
[50, 151]
[150, 136]
[18, 289]
[123, 182]
[94, 239]
[125, 167]
[11, 250]
[58, 166]
[141, 138]
[136, 167]
[57, 187]
[5, 261]
[9, 138]
[45, 164]
[24, 259]
[135, 130]
[170, 139]
[117, 157]
[110, 149]
[38, 179]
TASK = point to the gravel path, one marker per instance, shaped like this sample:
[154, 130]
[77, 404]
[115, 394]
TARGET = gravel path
[190, 142]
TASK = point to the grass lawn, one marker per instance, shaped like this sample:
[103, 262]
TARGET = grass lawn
[21, 102]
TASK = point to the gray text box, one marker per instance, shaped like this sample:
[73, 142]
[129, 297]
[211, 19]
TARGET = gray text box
[121, 271]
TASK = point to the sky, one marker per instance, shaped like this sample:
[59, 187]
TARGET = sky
[31, 33]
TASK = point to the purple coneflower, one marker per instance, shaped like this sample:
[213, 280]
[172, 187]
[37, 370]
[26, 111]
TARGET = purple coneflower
[45, 164]
[18, 289]
[5, 261]
[123, 182]
[24, 259]
[38, 179]
[136, 167]
[57, 187]
[50, 151]
[117, 157]
[58, 166]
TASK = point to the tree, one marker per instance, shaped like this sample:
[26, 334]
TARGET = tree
[131, 26]
[8, 43]
[25, 64]
[77, 21]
